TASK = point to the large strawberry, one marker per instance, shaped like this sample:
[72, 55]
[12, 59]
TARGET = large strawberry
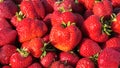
[30, 28]
[97, 30]
[35, 65]
[89, 48]
[109, 58]
[65, 37]
[116, 23]
[32, 9]
[85, 63]
[103, 8]
[20, 59]
[5, 53]
[7, 9]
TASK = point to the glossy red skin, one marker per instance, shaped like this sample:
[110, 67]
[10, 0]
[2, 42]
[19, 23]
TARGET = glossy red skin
[14, 21]
[8, 9]
[5, 53]
[34, 46]
[93, 28]
[113, 42]
[71, 58]
[18, 61]
[89, 48]
[116, 24]
[109, 58]
[58, 64]
[103, 8]
[65, 39]
[48, 59]
[35, 65]
[115, 3]
[89, 4]
[85, 63]
[29, 29]
[32, 9]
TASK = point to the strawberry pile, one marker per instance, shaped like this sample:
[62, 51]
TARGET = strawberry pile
[59, 33]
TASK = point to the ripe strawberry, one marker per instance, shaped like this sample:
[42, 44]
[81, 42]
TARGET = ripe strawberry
[89, 4]
[29, 29]
[20, 59]
[113, 42]
[59, 64]
[109, 58]
[116, 24]
[103, 8]
[96, 29]
[7, 9]
[115, 3]
[70, 58]
[35, 65]
[89, 48]
[32, 9]
[85, 63]
[48, 59]
[88, 13]
[34, 46]
[65, 37]
[5, 53]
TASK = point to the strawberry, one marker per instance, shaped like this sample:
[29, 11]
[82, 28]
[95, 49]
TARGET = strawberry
[34, 46]
[89, 48]
[20, 59]
[6, 66]
[115, 24]
[65, 37]
[32, 9]
[35, 65]
[94, 28]
[48, 59]
[7, 9]
[85, 63]
[89, 4]
[109, 58]
[59, 64]
[88, 13]
[115, 3]
[29, 29]
[70, 58]
[113, 42]
[6, 51]
[103, 8]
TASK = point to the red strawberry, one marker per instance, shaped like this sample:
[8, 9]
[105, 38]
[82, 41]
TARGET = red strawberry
[58, 64]
[6, 66]
[85, 63]
[29, 29]
[88, 13]
[34, 46]
[115, 3]
[114, 42]
[70, 58]
[32, 9]
[35, 65]
[103, 8]
[5, 53]
[89, 4]
[96, 29]
[65, 37]
[109, 58]
[89, 48]
[20, 59]
[116, 24]
[7, 9]
[48, 59]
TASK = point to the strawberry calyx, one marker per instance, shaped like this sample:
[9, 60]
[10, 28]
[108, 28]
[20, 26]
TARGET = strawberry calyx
[62, 9]
[113, 17]
[76, 1]
[97, 1]
[67, 24]
[20, 16]
[23, 52]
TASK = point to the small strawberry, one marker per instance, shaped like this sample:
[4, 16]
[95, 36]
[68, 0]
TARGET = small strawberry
[103, 8]
[5, 53]
[35, 65]
[65, 37]
[20, 59]
[116, 23]
[109, 58]
[34, 46]
[70, 58]
[89, 48]
[48, 59]
[29, 29]
[7, 9]
[85, 63]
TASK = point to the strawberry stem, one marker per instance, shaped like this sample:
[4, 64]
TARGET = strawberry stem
[113, 17]
[20, 15]
[23, 52]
